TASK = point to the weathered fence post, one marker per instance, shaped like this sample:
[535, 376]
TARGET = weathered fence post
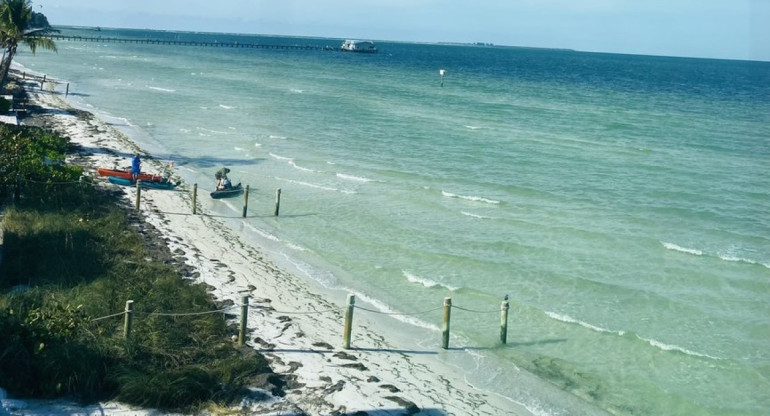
[244, 315]
[195, 199]
[42, 82]
[348, 321]
[127, 318]
[277, 201]
[138, 193]
[67, 92]
[245, 201]
[445, 327]
[504, 322]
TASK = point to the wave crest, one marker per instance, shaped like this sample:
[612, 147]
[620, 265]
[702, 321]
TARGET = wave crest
[470, 198]
[570, 320]
[674, 247]
[354, 178]
[654, 343]
[430, 284]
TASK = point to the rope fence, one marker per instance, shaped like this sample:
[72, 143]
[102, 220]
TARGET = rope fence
[129, 313]
[140, 185]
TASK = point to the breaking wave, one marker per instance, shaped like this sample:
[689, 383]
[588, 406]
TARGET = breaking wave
[470, 198]
[674, 247]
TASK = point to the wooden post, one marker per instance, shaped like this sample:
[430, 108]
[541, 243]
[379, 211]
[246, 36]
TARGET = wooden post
[42, 82]
[138, 193]
[504, 322]
[127, 318]
[244, 315]
[277, 201]
[67, 92]
[348, 321]
[195, 199]
[245, 201]
[445, 327]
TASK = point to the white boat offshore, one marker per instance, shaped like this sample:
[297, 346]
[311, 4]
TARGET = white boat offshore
[365, 46]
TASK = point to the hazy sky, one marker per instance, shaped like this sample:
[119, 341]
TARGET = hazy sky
[734, 29]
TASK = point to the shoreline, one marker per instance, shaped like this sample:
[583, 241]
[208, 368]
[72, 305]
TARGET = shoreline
[304, 345]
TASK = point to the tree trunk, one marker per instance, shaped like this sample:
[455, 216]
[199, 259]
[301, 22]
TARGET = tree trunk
[5, 66]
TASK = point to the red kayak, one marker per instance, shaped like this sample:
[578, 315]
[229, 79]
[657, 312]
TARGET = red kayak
[126, 174]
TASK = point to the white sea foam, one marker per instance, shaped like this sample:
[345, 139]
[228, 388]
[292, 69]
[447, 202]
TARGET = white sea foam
[278, 157]
[473, 127]
[257, 144]
[481, 217]
[295, 166]
[239, 149]
[161, 89]
[736, 259]
[262, 233]
[674, 247]
[316, 186]
[383, 308]
[570, 320]
[277, 137]
[430, 284]
[470, 198]
[295, 247]
[354, 178]
[122, 120]
[668, 347]
[203, 129]
[297, 91]
[226, 107]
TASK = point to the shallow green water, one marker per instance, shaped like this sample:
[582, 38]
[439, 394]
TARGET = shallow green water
[620, 201]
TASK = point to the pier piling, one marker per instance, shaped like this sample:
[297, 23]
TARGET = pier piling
[245, 201]
[244, 318]
[138, 193]
[348, 321]
[504, 322]
[277, 201]
[127, 318]
[445, 326]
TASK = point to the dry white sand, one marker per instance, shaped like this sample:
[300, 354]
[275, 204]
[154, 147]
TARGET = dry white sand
[373, 377]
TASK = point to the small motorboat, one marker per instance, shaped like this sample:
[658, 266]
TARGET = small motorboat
[230, 192]
[165, 184]
[126, 174]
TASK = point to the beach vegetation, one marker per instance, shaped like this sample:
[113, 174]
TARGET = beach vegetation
[72, 255]
[19, 24]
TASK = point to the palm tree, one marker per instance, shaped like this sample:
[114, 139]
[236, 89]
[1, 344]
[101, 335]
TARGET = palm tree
[16, 17]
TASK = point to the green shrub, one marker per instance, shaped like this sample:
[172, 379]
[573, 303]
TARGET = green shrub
[5, 105]
[71, 255]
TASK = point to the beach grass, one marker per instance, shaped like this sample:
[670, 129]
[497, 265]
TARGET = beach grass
[73, 253]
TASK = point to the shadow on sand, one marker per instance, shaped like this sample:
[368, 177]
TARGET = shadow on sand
[385, 412]
[330, 351]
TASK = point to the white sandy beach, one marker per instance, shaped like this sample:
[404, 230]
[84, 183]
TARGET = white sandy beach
[290, 322]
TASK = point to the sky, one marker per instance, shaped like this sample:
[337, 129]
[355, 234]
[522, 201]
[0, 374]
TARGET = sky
[729, 29]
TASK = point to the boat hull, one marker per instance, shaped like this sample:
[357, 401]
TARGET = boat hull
[126, 174]
[228, 193]
[145, 184]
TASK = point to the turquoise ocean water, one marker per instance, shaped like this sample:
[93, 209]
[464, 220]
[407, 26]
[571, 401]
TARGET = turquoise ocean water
[622, 202]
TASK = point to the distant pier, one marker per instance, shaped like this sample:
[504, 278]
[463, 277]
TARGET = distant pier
[101, 39]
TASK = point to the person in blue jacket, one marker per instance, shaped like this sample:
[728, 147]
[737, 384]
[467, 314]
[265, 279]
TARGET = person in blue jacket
[136, 166]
